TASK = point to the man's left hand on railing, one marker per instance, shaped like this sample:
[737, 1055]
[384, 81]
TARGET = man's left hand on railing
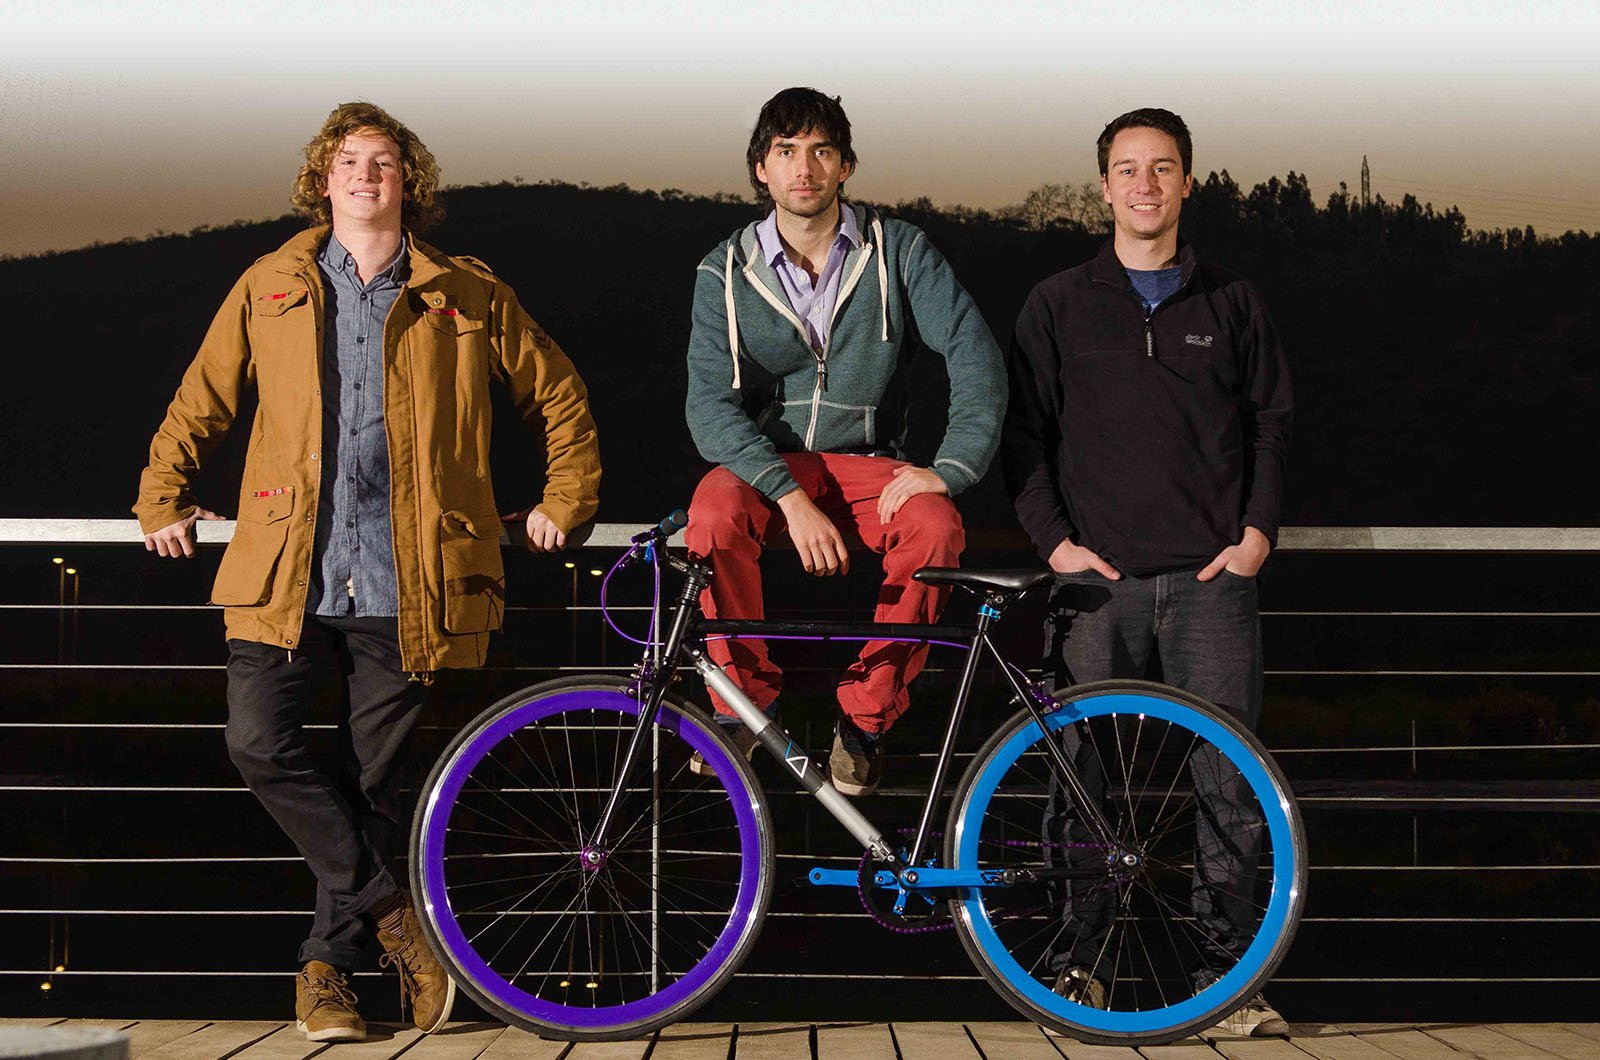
[177, 539]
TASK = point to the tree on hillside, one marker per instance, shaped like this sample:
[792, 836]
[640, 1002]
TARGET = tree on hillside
[1055, 205]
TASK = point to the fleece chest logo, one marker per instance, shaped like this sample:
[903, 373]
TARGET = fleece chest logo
[1198, 340]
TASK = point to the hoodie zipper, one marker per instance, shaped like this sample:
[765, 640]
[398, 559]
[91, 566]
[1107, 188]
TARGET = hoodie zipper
[846, 289]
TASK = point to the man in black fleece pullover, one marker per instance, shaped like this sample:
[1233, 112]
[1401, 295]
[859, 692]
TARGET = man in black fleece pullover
[1144, 449]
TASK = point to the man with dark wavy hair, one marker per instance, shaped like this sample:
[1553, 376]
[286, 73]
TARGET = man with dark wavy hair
[805, 326]
[366, 554]
[1144, 452]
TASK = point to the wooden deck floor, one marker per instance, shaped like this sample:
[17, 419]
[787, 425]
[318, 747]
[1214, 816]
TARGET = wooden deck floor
[200, 1040]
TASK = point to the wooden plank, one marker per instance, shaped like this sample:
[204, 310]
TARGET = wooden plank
[214, 1040]
[288, 1043]
[454, 1041]
[515, 1044]
[934, 1041]
[1588, 1030]
[1553, 1038]
[1486, 1042]
[788, 1041]
[32, 1021]
[384, 1042]
[107, 1025]
[1235, 1047]
[1013, 1041]
[1329, 1042]
[1188, 1049]
[632, 1050]
[845, 1041]
[148, 1035]
[1402, 1040]
[694, 1041]
[1073, 1049]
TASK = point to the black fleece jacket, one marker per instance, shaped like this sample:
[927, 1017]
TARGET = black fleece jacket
[1153, 440]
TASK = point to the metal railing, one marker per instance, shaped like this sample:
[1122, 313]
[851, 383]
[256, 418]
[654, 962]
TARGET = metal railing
[1548, 779]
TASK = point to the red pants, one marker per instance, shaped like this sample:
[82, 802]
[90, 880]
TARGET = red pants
[729, 521]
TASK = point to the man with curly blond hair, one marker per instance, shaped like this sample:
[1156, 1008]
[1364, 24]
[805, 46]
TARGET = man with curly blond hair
[366, 553]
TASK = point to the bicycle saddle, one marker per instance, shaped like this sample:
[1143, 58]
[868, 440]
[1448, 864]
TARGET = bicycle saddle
[1010, 580]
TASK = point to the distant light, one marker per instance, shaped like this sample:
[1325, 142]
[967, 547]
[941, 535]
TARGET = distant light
[61, 967]
[72, 570]
[570, 566]
[565, 983]
[45, 986]
[57, 561]
[597, 573]
[592, 986]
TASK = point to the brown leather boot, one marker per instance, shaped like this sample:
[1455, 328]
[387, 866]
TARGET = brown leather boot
[325, 1006]
[424, 985]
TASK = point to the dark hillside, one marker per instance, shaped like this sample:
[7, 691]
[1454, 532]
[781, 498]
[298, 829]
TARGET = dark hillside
[1443, 376]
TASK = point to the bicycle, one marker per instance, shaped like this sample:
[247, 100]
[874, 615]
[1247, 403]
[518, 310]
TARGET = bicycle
[577, 880]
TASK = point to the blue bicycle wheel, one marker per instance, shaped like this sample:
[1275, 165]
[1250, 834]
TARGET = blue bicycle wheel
[1163, 924]
[572, 942]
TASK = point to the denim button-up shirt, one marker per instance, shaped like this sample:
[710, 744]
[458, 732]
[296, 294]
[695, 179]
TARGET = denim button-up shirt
[353, 565]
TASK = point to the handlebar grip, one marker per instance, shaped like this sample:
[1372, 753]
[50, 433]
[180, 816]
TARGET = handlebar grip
[664, 529]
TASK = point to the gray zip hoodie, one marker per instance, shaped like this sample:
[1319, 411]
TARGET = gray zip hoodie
[757, 389]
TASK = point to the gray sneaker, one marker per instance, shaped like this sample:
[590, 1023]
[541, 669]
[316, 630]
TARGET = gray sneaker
[856, 762]
[744, 741]
[1256, 1019]
[1076, 984]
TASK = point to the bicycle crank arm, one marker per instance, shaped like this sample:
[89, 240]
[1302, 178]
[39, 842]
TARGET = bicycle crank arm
[914, 879]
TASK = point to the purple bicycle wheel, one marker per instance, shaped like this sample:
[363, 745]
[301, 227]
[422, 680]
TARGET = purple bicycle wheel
[533, 931]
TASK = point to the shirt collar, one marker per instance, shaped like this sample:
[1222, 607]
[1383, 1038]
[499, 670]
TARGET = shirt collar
[336, 258]
[772, 245]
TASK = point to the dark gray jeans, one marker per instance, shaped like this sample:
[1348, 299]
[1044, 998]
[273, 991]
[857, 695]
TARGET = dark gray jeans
[1204, 638]
[345, 817]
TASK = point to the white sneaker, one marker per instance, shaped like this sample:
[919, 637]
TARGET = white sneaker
[1255, 1019]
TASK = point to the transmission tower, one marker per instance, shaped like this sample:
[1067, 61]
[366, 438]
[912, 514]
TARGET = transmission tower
[1366, 182]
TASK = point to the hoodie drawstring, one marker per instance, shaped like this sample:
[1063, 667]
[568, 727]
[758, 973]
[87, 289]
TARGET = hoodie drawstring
[883, 277]
[733, 320]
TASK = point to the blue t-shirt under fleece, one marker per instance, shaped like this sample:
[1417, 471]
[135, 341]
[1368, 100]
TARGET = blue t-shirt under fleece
[1155, 286]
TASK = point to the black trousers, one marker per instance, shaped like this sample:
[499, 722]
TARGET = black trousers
[1207, 638]
[346, 817]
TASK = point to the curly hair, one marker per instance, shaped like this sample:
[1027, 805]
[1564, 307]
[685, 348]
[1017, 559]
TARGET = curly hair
[419, 173]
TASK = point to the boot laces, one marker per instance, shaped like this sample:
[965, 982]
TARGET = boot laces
[330, 990]
[401, 960]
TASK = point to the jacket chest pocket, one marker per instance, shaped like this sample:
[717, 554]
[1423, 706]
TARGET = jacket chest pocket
[474, 575]
[246, 575]
[449, 322]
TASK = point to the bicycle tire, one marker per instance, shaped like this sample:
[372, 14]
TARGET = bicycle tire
[624, 948]
[1161, 960]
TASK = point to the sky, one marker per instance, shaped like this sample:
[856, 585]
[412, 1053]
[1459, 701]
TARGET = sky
[122, 119]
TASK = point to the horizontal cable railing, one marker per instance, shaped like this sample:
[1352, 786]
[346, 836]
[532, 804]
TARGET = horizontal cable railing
[57, 877]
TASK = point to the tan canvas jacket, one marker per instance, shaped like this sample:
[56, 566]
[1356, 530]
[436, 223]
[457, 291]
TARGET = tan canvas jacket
[453, 329]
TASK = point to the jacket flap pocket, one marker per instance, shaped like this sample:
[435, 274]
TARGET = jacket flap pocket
[267, 506]
[276, 303]
[457, 523]
[474, 577]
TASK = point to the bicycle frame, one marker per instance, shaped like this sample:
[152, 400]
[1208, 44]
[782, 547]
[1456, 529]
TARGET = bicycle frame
[684, 641]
